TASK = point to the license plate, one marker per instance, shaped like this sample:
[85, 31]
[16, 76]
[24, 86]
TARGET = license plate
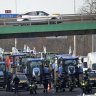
[20, 86]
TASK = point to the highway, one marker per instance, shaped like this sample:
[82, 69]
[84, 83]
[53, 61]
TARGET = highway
[75, 92]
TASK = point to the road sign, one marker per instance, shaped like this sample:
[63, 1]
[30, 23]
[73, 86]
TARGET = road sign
[7, 11]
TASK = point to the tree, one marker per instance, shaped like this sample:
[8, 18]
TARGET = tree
[89, 7]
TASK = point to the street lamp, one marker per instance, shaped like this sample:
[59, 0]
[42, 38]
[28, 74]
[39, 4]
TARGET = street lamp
[92, 42]
[74, 35]
[75, 45]
[74, 7]
[15, 42]
[16, 6]
[16, 13]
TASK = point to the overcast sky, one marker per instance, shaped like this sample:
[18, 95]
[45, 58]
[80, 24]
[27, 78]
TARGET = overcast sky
[50, 6]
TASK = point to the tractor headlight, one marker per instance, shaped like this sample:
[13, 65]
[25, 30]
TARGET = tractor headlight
[83, 84]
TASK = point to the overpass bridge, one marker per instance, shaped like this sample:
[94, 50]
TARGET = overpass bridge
[66, 28]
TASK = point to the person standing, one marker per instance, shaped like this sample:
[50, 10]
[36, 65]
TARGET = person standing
[47, 74]
[9, 78]
[45, 84]
[16, 82]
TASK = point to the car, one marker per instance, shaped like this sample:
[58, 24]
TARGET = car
[37, 16]
[23, 84]
[92, 78]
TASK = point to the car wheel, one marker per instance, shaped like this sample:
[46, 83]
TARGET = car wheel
[11, 90]
[56, 89]
[27, 89]
[4, 86]
[53, 20]
[25, 20]
[25, 23]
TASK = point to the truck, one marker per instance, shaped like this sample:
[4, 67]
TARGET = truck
[83, 62]
[91, 62]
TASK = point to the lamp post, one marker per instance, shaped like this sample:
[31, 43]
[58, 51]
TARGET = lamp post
[16, 13]
[14, 61]
[74, 6]
[16, 6]
[92, 42]
[74, 45]
[15, 42]
[74, 35]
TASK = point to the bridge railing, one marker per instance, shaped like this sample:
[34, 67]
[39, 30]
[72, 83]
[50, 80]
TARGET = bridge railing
[64, 19]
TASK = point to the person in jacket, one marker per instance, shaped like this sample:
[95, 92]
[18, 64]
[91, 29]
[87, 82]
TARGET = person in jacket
[9, 78]
[16, 82]
[45, 83]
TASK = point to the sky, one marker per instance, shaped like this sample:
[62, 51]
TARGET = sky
[49, 6]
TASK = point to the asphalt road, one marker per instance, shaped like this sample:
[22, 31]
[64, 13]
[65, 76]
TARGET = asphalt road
[75, 92]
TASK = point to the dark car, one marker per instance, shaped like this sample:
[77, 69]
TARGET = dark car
[92, 78]
[23, 84]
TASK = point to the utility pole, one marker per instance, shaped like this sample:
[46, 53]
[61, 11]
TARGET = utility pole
[16, 13]
[16, 6]
[14, 57]
[15, 42]
[75, 45]
[74, 7]
[74, 35]
[92, 42]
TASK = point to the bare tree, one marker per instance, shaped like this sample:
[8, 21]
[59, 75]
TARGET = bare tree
[89, 7]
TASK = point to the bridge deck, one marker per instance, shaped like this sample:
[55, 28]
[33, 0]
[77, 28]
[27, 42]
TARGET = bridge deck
[48, 30]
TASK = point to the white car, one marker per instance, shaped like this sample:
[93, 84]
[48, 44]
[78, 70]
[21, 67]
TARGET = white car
[37, 16]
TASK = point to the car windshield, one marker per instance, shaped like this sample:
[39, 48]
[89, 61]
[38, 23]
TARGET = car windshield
[1, 73]
[41, 13]
[20, 76]
[92, 75]
[2, 67]
[94, 66]
[50, 55]
[35, 64]
[72, 62]
[85, 65]
[31, 13]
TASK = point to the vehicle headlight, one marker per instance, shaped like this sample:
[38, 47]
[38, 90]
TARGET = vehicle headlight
[83, 84]
[33, 85]
[27, 82]
[11, 82]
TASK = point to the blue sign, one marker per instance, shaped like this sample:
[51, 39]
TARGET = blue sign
[8, 15]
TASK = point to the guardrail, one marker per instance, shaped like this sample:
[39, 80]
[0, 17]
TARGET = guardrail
[65, 19]
[34, 22]
[39, 22]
